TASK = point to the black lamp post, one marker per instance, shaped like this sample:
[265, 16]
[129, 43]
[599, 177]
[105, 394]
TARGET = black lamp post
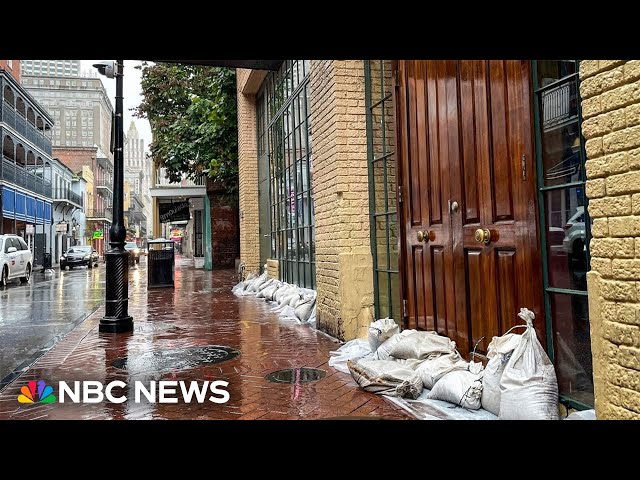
[116, 318]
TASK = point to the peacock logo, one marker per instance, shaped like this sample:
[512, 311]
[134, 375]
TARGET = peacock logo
[28, 393]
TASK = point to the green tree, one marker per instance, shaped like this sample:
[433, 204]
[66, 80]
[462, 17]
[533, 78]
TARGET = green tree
[192, 112]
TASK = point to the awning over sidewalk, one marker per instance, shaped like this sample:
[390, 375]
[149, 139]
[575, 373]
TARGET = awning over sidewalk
[252, 64]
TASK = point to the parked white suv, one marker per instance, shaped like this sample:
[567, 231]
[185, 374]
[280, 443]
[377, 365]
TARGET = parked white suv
[16, 260]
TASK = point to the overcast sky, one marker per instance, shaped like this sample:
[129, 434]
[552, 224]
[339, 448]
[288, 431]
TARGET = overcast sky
[132, 95]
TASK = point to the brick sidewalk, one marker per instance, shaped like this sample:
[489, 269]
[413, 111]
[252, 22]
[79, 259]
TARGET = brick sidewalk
[200, 311]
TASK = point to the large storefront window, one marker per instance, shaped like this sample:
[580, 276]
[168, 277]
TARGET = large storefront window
[564, 224]
[284, 140]
[382, 188]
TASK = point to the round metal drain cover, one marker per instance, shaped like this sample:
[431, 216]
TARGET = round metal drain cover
[296, 375]
[178, 359]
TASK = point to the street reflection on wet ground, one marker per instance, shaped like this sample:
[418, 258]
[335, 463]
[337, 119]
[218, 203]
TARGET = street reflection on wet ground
[34, 317]
[200, 312]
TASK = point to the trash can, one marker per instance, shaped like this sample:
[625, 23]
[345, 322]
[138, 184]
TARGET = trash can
[46, 262]
[160, 263]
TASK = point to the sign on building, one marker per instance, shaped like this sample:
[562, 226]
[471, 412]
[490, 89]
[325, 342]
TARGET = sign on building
[98, 235]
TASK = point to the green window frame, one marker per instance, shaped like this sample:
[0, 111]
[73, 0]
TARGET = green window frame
[383, 215]
[565, 226]
[284, 137]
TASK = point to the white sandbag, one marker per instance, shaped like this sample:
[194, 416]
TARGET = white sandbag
[353, 350]
[386, 377]
[257, 283]
[422, 345]
[380, 331]
[283, 292]
[270, 291]
[262, 287]
[582, 415]
[411, 363]
[238, 288]
[383, 352]
[313, 318]
[305, 307]
[459, 387]
[288, 314]
[434, 369]
[289, 299]
[295, 300]
[499, 352]
[528, 387]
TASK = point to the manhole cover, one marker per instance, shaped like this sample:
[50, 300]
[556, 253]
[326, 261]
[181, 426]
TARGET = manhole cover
[296, 375]
[178, 359]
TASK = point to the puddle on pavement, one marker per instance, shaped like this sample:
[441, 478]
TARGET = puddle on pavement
[152, 327]
[178, 359]
[296, 375]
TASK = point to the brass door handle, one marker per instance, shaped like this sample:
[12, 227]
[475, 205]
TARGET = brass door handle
[483, 235]
[425, 236]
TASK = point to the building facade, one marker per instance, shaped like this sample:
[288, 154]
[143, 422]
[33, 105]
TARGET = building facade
[27, 166]
[82, 137]
[449, 194]
[136, 173]
[69, 220]
[59, 68]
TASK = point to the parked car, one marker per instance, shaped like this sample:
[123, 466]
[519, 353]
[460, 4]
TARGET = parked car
[134, 252]
[16, 260]
[574, 238]
[80, 255]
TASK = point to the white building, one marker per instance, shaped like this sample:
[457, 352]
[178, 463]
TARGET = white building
[61, 68]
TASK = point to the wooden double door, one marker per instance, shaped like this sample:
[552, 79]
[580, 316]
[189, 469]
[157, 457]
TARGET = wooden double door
[470, 255]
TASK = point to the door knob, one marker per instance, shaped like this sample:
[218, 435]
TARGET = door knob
[455, 207]
[483, 235]
[426, 235]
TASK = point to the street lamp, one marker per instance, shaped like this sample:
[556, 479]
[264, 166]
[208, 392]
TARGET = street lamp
[116, 318]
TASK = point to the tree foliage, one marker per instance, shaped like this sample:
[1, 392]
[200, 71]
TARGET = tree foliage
[192, 112]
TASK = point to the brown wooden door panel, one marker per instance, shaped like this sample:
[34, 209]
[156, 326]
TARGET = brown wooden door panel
[463, 128]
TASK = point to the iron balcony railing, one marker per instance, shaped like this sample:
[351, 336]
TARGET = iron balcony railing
[104, 182]
[16, 174]
[67, 194]
[99, 213]
[559, 104]
[163, 181]
[20, 124]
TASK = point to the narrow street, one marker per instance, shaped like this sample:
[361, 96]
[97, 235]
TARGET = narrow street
[170, 325]
[34, 317]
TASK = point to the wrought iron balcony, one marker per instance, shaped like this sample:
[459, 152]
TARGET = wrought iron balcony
[28, 131]
[66, 194]
[163, 181]
[16, 174]
[99, 214]
[104, 182]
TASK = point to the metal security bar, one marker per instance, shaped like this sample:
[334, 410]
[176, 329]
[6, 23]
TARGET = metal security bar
[382, 188]
[284, 138]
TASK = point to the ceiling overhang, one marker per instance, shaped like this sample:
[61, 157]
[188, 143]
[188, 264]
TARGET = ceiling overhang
[250, 64]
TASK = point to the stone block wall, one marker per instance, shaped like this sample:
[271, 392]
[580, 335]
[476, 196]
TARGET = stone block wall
[610, 92]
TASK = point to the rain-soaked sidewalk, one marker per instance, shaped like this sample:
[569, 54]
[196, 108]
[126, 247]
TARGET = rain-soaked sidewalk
[200, 311]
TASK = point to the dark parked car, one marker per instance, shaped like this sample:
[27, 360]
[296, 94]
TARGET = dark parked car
[78, 256]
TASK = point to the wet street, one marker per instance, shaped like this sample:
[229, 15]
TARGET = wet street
[33, 317]
[197, 332]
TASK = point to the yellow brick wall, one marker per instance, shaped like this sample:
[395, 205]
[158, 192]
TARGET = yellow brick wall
[610, 91]
[248, 174]
[341, 197]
